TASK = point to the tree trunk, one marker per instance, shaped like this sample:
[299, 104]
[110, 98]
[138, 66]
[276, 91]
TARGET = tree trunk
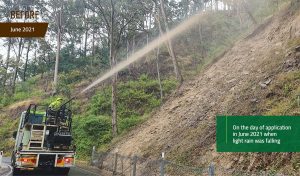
[57, 53]
[148, 28]
[127, 48]
[35, 60]
[114, 105]
[161, 31]
[93, 43]
[133, 50]
[85, 39]
[173, 56]
[26, 62]
[93, 49]
[7, 62]
[47, 74]
[17, 65]
[85, 42]
[133, 44]
[56, 63]
[86, 32]
[114, 80]
[147, 37]
[239, 11]
[201, 40]
[248, 12]
[158, 74]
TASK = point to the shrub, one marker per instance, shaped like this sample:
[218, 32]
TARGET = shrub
[91, 131]
[127, 123]
[135, 98]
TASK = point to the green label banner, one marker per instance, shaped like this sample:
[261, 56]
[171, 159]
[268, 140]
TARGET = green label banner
[258, 133]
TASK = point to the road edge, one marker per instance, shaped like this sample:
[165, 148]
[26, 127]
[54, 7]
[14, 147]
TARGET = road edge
[8, 169]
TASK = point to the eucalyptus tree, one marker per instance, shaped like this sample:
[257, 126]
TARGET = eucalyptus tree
[115, 16]
[29, 44]
[4, 9]
[75, 26]
[161, 12]
[58, 22]
[56, 16]
[19, 42]
[2, 73]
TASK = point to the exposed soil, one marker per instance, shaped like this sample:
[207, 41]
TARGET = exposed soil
[185, 125]
[13, 111]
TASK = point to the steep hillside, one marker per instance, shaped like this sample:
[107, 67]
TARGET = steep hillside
[238, 83]
[138, 86]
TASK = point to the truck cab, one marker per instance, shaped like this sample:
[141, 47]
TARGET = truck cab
[43, 141]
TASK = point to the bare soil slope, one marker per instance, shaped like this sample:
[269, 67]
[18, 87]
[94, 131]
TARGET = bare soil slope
[184, 127]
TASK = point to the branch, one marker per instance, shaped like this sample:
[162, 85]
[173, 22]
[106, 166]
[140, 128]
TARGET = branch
[101, 11]
[124, 26]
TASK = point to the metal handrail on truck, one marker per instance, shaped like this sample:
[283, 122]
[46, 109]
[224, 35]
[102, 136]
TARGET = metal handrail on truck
[63, 114]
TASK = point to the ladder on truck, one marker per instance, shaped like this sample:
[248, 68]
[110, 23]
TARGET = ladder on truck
[37, 137]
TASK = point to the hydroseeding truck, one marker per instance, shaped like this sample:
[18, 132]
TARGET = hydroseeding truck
[44, 141]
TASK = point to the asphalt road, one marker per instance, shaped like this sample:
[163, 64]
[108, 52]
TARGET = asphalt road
[73, 172]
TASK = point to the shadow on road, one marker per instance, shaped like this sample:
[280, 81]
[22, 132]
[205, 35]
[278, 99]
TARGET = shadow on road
[48, 172]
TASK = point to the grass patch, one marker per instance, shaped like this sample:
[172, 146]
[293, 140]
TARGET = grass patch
[285, 91]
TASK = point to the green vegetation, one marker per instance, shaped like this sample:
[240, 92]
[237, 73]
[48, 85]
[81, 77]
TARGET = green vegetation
[283, 96]
[136, 100]
[6, 132]
[285, 99]
[89, 131]
[24, 90]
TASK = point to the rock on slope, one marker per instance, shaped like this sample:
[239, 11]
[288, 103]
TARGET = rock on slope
[184, 127]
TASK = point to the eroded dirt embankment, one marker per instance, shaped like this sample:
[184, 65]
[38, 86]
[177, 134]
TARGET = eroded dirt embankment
[184, 127]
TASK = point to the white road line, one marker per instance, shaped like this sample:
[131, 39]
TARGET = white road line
[9, 168]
